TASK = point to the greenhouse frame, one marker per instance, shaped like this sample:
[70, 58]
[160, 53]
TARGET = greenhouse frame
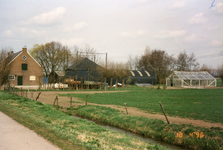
[191, 79]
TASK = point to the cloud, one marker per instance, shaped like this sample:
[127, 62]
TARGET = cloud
[218, 8]
[48, 18]
[177, 4]
[134, 33]
[24, 32]
[31, 33]
[72, 41]
[198, 19]
[141, 1]
[216, 42]
[211, 28]
[77, 26]
[7, 33]
[166, 18]
[191, 38]
[171, 33]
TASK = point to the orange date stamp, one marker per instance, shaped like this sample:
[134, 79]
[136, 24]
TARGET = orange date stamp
[193, 134]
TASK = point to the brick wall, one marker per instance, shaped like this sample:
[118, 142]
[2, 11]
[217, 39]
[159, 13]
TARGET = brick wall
[33, 69]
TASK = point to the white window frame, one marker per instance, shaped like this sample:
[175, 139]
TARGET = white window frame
[13, 77]
[32, 78]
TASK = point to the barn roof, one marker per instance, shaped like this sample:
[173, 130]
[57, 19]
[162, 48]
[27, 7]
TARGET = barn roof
[141, 73]
[60, 73]
[201, 75]
[84, 64]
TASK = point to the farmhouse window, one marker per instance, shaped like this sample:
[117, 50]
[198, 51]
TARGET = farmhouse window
[24, 66]
[32, 78]
[11, 77]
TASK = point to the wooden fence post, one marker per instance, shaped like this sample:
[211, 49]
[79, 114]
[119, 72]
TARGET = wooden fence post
[21, 91]
[38, 96]
[126, 108]
[56, 100]
[26, 94]
[86, 100]
[164, 113]
[32, 95]
[70, 101]
[57, 103]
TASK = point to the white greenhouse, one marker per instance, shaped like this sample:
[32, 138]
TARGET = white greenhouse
[191, 79]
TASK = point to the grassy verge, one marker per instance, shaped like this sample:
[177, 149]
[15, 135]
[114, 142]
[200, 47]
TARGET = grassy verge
[202, 104]
[65, 131]
[184, 135]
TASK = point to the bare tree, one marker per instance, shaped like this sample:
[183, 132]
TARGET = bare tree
[187, 62]
[52, 56]
[156, 60]
[220, 72]
[193, 63]
[207, 68]
[5, 54]
[86, 52]
[133, 62]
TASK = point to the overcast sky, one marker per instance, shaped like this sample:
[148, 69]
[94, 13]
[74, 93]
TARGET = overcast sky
[118, 27]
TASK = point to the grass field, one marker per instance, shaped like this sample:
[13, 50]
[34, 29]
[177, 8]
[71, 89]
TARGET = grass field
[197, 138]
[66, 131]
[202, 104]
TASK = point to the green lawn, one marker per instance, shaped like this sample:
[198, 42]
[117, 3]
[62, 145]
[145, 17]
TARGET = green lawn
[203, 104]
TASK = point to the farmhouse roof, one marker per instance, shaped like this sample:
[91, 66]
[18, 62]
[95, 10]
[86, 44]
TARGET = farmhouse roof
[12, 57]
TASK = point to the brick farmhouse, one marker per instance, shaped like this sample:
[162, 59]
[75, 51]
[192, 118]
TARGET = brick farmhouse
[24, 69]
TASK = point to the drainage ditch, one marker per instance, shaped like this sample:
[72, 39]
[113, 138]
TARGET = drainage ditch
[140, 137]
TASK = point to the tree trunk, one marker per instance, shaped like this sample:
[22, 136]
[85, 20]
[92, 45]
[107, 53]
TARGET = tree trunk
[111, 82]
[105, 80]
[116, 82]
[123, 82]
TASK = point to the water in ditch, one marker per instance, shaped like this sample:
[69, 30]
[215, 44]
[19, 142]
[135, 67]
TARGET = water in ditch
[146, 139]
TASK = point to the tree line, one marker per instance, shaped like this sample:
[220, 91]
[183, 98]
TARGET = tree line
[162, 64]
[54, 56]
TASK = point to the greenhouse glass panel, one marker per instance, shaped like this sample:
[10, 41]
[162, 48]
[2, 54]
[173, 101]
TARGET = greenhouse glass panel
[190, 79]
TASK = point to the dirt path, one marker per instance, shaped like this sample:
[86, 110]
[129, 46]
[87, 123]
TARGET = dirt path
[16, 136]
[49, 97]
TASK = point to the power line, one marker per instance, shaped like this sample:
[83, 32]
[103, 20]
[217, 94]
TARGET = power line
[212, 55]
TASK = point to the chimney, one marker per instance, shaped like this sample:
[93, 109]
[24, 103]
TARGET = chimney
[12, 52]
[24, 49]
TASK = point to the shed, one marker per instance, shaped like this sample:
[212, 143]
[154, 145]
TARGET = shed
[190, 79]
[57, 76]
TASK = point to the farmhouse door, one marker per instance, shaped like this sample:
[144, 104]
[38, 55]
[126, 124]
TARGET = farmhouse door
[19, 80]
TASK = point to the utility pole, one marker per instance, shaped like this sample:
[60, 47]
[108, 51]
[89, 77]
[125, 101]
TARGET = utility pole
[106, 59]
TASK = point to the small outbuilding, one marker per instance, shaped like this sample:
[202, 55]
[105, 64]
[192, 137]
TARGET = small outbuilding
[140, 76]
[191, 79]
